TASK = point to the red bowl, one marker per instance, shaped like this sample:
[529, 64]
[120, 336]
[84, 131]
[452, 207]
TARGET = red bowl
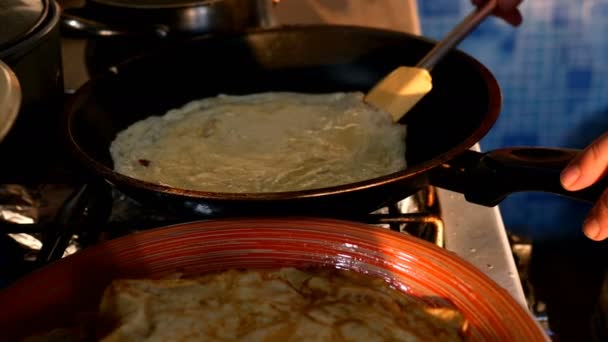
[55, 295]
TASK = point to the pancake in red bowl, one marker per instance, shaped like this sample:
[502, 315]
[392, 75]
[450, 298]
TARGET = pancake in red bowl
[66, 292]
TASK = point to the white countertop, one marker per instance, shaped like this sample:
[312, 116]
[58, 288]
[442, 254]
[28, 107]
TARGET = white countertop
[477, 234]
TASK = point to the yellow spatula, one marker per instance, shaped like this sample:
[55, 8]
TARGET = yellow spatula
[400, 90]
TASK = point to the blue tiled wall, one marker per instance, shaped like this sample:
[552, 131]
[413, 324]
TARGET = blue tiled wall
[553, 71]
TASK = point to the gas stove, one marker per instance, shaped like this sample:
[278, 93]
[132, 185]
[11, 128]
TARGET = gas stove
[47, 221]
[56, 211]
[51, 221]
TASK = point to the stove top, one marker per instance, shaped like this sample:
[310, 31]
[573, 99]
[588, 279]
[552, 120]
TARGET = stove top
[49, 210]
[45, 222]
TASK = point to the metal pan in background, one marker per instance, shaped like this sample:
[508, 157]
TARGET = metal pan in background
[30, 47]
[460, 110]
[118, 29]
[163, 18]
[10, 99]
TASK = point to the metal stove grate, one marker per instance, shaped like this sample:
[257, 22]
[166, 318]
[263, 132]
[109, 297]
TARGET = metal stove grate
[51, 221]
[418, 215]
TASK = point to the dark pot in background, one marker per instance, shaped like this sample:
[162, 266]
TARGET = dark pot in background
[30, 46]
[118, 29]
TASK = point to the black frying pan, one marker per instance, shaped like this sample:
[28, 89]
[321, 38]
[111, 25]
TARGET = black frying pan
[458, 112]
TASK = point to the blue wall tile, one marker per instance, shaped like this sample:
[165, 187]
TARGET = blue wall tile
[438, 8]
[553, 71]
[579, 78]
[560, 17]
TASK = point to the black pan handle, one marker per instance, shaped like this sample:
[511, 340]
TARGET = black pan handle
[79, 21]
[487, 178]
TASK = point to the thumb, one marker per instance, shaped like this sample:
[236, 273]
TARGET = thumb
[596, 223]
[588, 167]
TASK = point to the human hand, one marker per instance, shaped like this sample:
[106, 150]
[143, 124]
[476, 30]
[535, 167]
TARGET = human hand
[507, 10]
[583, 171]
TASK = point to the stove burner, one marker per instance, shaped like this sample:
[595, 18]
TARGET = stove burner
[95, 212]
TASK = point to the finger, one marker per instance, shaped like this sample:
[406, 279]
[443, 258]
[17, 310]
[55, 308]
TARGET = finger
[506, 9]
[508, 5]
[588, 167]
[595, 226]
[513, 17]
[504, 5]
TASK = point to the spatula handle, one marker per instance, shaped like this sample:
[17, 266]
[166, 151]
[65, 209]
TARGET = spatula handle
[467, 25]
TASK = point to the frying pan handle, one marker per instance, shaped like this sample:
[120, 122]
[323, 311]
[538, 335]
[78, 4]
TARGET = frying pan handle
[487, 178]
[78, 21]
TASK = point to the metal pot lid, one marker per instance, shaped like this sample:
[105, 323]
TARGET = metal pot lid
[152, 4]
[19, 19]
[10, 99]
